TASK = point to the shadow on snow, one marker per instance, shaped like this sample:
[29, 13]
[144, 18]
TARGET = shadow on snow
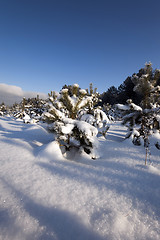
[57, 224]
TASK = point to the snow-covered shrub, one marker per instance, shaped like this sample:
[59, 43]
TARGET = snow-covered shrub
[147, 86]
[97, 118]
[3, 109]
[29, 110]
[109, 111]
[112, 112]
[76, 134]
[131, 118]
[62, 116]
[141, 123]
[93, 114]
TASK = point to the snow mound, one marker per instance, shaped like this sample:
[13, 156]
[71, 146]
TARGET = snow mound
[50, 151]
[154, 170]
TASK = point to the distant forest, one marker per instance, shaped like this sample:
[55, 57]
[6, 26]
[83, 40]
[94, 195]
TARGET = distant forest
[127, 89]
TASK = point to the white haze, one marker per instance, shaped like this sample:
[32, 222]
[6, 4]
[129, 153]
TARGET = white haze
[9, 94]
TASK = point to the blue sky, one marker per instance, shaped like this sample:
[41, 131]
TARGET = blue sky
[45, 44]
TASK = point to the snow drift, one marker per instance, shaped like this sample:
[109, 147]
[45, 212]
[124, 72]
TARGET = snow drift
[45, 196]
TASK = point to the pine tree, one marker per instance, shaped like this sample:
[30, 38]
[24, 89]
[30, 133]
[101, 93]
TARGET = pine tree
[125, 92]
[29, 110]
[131, 118]
[110, 96]
[144, 121]
[93, 113]
[144, 82]
[3, 109]
[62, 115]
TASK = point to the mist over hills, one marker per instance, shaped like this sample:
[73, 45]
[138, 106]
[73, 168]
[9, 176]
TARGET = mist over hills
[10, 94]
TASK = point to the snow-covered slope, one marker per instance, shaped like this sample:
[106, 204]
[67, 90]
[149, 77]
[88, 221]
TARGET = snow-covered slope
[44, 196]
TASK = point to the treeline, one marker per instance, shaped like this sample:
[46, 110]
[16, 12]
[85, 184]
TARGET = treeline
[127, 89]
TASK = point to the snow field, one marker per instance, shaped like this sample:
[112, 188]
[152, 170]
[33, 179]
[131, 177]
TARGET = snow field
[45, 196]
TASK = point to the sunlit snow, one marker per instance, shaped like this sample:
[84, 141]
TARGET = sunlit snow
[45, 196]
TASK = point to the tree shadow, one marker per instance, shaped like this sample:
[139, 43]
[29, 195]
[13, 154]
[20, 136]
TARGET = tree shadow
[117, 177]
[61, 224]
[115, 137]
[8, 228]
[57, 224]
[34, 135]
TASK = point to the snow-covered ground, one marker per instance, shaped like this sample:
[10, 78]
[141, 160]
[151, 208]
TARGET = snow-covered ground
[44, 196]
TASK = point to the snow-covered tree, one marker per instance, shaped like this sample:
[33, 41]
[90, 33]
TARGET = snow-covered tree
[67, 104]
[147, 114]
[62, 116]
[3, 109]
[146, 85]
[93, 114]
[143, 124]
[97, 118]
[29, 110]
[110, 96]
[131, 118]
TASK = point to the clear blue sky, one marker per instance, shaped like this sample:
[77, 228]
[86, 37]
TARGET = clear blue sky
[45, 44]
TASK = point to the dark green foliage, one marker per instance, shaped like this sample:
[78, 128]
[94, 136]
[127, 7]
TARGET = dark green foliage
[111, 96]
[126, 91]
[146, 85]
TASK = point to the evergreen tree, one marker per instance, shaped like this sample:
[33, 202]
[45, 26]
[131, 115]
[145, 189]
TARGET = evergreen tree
[111, 96]
[131, 118]
[125, 92]
[62, 115]
[93, 113]
[142, 123]
[97, 117]
[3, 109]
[136, 87]
[29, 110]
[145, 81]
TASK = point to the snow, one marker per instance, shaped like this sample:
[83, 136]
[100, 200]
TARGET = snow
[44, 196]
[158, 117]
[85, 101]
[73, 100]
[84, 127]
[65, 90]
[136, 107]
[59, 113]
[76, 85]
[83, 91]
[26, 118]
[101, 116]
[128, 107]
[67, 128]
[145, 76]
[122, 107]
